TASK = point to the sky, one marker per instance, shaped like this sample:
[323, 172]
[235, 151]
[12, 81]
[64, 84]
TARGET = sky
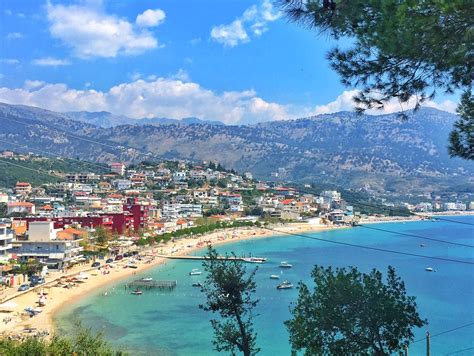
[236, 61]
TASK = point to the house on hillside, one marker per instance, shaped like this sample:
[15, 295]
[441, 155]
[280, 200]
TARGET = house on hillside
[20, 207]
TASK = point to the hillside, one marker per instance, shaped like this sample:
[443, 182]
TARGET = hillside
[39, 170]
[376, 152]
[105, 119]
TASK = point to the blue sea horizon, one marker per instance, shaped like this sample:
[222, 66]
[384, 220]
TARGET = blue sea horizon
[171, 323]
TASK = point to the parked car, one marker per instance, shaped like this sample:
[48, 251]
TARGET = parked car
[109, 260]
[36, 280]
[126, 254]
[95, 264]
[40, 280]
[23, 287]
[118, 257]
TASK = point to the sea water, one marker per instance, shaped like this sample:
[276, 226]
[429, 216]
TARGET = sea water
[171, 323]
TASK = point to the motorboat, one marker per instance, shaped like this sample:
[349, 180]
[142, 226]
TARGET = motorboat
[274, 276]
[137, 292]
[430, 269]
[195, 272]
[285, 264]
[285, 285]
[197, 284]
[147, 279]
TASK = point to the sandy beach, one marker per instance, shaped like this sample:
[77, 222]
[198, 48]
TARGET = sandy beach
[17, 320]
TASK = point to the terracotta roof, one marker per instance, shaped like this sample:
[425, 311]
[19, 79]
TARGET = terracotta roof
[20, 203]
[22, 184]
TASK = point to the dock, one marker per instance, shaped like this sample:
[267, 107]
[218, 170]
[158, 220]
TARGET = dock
[187, 257]
[152, 284]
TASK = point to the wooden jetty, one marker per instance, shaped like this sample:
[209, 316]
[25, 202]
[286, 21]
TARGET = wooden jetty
[152, 284]
[187, 257]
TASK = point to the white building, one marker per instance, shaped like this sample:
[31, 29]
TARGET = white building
[43, 245]
[331, 196]
[179, 210]
[118, 168]
[6, 238]
[122, 184]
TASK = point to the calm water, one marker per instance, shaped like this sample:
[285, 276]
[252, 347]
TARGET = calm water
[170, 323]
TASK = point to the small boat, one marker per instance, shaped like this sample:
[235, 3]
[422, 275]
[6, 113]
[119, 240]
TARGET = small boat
[422, 245]
[430, 269]
[147, 279]
[137, 292]
[195, 272]
[274, 276]
[197, 284]
[285, 285]
[285, 264]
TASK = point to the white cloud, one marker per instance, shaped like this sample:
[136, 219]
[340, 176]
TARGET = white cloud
[344, 102]
[230, 35]
[162, 97]
[92, 33]
[10, 61]
[253, 21]
[151, 18]
[50, 62]
[14, 35]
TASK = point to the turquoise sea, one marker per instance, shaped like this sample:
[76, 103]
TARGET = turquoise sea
[170, 323]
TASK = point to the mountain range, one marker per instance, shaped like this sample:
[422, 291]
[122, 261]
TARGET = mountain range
[106, 119]
[376, 152]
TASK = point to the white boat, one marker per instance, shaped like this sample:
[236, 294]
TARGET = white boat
[274, 276]
[285, 264]
[285, 285]
[430, 269]
[195, 272]
[137, 292]
[147, 279]
[197, 284]
[254, 259]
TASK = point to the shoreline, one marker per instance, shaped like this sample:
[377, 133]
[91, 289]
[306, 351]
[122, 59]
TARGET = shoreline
[58, 298]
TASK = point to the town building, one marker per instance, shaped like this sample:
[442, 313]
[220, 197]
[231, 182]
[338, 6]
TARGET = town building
[118, 168]
[6, 239]
[20, 207]
[43, 245]
[23, 188]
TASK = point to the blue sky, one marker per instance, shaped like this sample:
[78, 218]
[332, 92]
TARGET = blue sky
[234, 61]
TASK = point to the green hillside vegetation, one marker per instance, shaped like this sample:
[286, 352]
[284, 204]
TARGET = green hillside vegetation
[41, 170]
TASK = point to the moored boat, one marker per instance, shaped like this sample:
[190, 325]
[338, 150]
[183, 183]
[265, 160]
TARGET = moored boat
[274, 276]
[254, 259]
[285, 285]
[285, 264]
[147, 279]
[195, 272]
[197, 284]
[137, 292]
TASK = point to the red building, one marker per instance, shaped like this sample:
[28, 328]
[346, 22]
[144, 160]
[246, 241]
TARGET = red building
[139, 212]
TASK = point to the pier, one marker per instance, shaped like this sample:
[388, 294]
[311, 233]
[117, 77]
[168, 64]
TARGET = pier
[152, 284]
[227, 258]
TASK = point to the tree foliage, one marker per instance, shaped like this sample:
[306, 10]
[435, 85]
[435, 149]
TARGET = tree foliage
[350, 310]
[229, 289]
[461, 139]
[400, 49]
[83, 342]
